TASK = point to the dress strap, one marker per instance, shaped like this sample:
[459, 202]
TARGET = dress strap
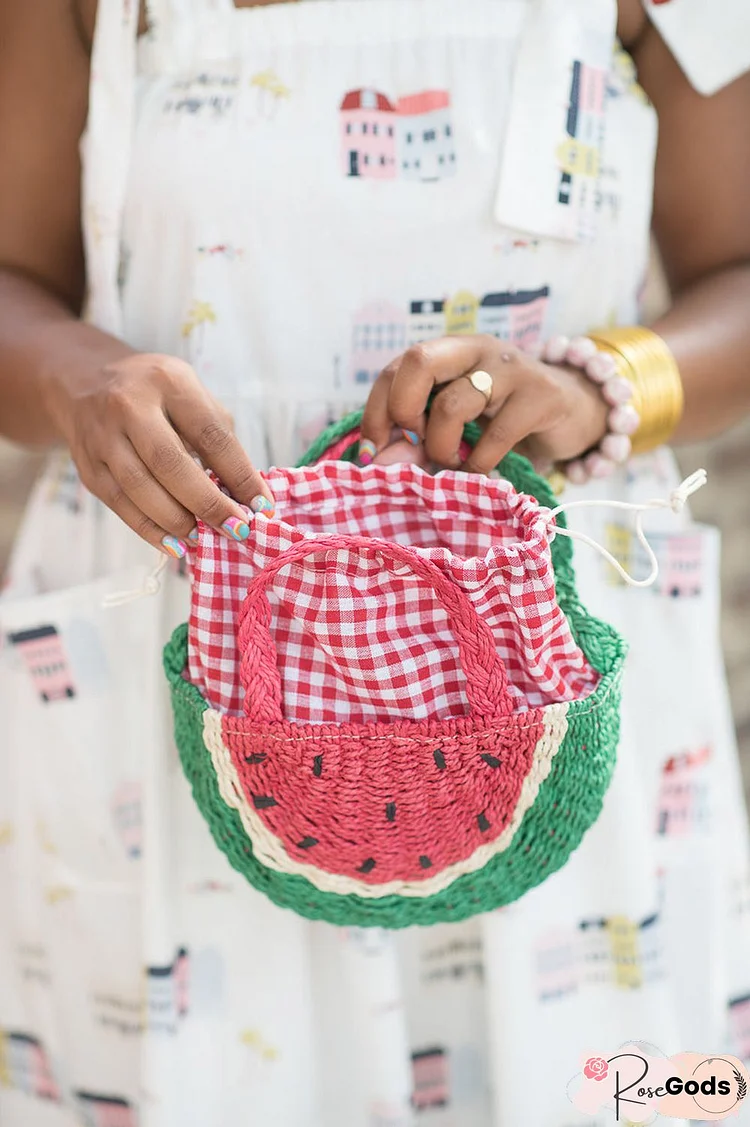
[105, 149]
[107, 141]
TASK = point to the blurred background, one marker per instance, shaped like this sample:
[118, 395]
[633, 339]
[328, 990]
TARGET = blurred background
[725, 502]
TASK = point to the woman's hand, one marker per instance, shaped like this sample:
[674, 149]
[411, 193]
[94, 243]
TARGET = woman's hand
[131, 431]
[550, 413]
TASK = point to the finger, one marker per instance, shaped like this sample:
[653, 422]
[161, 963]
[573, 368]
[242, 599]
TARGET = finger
[137, 483]
[426, 366]
[376, 425]
[165, 457]
[218, 447]
[400, 451]
[402, 390]
[100, 481]
[517, 419]
[455, 405]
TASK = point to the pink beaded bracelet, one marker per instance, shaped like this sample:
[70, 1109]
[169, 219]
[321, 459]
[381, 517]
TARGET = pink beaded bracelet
[623, 419]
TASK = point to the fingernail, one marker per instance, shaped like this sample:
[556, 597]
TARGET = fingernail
[263, 506]
[367, 451]
[193, 536]
[174, 547]
[410, 436]
[236, 528]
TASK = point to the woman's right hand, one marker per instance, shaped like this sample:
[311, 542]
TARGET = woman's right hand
[131, 431]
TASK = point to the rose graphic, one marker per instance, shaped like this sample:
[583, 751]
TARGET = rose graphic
[596, 1068]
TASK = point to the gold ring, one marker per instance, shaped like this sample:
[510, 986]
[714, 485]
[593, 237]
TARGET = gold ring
[482, 382]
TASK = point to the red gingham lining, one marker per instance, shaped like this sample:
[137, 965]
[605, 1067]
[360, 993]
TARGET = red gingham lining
[359, 639]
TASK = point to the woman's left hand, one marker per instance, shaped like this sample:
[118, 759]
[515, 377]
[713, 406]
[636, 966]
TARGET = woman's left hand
[548, 412]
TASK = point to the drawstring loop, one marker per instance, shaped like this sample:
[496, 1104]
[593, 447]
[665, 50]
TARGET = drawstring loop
[150, 586]
[675, 502]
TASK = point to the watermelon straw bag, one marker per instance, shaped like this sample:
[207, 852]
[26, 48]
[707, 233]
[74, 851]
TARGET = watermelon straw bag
[407, 728]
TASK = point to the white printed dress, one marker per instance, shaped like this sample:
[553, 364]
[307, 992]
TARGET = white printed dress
[288, 197]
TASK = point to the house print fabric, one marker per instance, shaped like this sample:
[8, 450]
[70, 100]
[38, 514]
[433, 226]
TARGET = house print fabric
[411, 138]
[381, 331]
[142, 981]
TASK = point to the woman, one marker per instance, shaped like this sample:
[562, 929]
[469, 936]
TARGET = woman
[277, 203]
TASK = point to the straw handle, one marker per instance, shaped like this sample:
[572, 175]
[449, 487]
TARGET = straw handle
[486, 678]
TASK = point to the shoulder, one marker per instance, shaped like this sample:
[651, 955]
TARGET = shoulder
[84, 13]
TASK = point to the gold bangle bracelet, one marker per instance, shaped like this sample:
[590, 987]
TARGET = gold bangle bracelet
[643, 358]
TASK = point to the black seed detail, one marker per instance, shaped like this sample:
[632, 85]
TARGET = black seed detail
[307, 842]
[425, 862]
[439, 758]
[367, 866]
[263, 801]
[257, 758]
[318, 766]
[491, 760]
[390, 811]
[482, 822]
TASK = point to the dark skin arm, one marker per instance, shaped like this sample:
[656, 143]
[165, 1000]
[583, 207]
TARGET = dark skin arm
[702, 227]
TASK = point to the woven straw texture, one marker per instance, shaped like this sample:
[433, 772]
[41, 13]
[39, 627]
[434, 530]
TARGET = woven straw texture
[511, 796]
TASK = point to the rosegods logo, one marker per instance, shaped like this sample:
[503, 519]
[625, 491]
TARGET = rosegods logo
[596, 1068]
[638, 1086]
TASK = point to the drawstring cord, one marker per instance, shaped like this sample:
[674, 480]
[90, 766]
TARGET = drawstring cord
[150, 586]
[675, 502]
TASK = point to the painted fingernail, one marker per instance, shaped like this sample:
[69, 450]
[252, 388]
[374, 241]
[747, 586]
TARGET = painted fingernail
[193, 536]
[263, 506]
[410, 436]
[174, 547]
[367, 451]
[236, 528]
